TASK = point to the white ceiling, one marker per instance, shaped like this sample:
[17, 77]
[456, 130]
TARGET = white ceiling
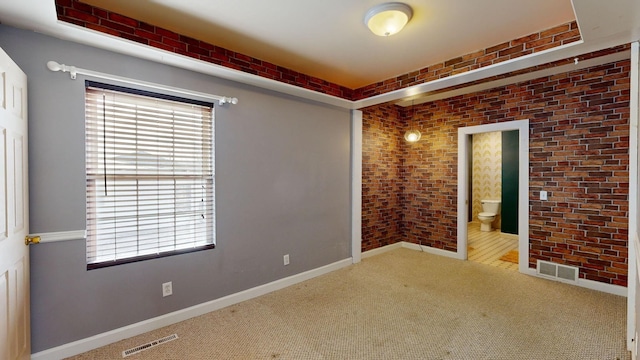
[328, 39]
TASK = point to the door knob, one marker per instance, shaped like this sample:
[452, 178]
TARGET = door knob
[28, 240]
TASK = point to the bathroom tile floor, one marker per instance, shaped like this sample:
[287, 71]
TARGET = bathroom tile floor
[487, 247]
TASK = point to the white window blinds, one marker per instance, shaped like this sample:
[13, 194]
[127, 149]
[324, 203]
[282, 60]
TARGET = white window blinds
[150, 175]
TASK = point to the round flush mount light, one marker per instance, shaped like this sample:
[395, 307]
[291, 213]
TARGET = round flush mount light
[388, 18]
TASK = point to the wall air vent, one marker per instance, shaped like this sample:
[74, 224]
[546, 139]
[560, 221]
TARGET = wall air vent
[558, 272]
[148, 345]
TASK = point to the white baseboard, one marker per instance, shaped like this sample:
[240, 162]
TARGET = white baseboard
[94, 342]
[589, 284]
[430, 250]
[412, 246]
[381, 250]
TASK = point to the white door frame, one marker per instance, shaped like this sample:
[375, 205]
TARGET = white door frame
[634, 203]
[523, 185]
[356, 186]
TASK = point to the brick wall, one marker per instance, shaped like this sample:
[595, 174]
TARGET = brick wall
[579, 143]
[382, 132]
[579, 153]
[430, 177]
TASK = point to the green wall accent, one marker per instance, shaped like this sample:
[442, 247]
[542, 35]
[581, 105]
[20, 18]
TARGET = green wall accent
[470, 179]
[509, 211]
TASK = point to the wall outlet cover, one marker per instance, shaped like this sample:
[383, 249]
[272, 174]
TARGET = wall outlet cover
[167, 289]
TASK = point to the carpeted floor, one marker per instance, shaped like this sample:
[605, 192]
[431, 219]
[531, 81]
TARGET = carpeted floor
[403, 304]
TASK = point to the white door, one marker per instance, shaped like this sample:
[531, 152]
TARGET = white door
[15, 341]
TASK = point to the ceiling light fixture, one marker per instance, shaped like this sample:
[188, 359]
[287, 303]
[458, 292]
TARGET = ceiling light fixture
[388, 18]
[412, 135]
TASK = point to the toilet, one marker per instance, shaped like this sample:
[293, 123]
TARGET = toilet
[490, 209]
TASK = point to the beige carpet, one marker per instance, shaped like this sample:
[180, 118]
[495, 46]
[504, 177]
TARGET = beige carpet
[403, 304]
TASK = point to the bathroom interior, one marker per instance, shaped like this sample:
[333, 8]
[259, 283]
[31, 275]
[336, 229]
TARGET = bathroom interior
[492, 228]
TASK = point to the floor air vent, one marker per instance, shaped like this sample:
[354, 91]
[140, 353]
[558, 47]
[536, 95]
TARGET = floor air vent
[148, 345]
[558, 272]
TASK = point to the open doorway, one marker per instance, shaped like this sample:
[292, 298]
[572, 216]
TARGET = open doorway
[464, 144]
[492, 231]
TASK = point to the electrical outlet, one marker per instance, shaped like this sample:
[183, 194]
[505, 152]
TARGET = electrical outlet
[167, 289]
[286, 259]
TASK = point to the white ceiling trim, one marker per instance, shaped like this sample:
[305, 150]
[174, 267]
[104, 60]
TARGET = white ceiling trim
[517, 79]
[568, 51]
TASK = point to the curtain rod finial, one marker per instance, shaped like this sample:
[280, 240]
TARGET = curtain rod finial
[226, 100]
[54, 66]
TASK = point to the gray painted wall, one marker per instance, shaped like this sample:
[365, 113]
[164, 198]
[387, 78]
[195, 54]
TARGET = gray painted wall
[282, 186]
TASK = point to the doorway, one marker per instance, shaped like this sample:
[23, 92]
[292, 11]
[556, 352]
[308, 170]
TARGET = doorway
[494, 177]
[464, 144]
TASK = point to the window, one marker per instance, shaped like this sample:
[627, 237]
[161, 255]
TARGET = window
[150, 175]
